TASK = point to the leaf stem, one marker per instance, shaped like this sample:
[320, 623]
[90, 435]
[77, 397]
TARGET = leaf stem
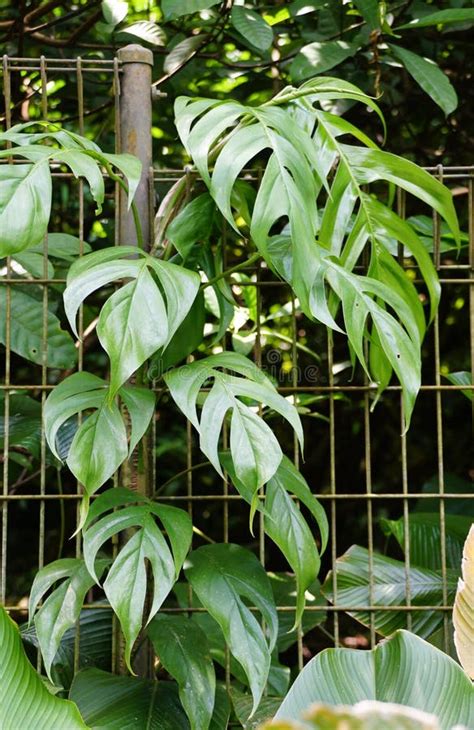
[253, 259]
[136, 217]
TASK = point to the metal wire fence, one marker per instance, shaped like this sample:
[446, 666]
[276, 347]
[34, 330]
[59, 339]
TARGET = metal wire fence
[356, 462]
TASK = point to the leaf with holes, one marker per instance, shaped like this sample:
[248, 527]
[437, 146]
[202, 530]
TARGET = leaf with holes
[255, 450]
[221, 576]
[61, 609]
[126, 582]
[100, 443]
[285, 524]
[181, 646]
[137, 319]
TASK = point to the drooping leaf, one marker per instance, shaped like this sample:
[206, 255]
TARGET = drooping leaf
[429, 76]
[136, 320]
[252, 27]
[108, 701]
[462, 378]
[318, 57]
[425, 538]
[404, 669]
[100, 443]
[383, 582]
[450, 15]
[26, 331]
[95, 645]
[182, 52]
[126, 582]
[181, 646]
[144, 31]
[114, 11]
[192, 225]
[255, 451]
[370, 11]
[285, 524]
[221, 575]
[463, 611]
[61, 609]
[25, 187]
[25, 701]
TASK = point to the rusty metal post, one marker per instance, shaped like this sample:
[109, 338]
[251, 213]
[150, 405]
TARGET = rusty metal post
[135, 134]
[134, 137]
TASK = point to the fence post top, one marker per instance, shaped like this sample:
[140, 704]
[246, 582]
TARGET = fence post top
[135, 53]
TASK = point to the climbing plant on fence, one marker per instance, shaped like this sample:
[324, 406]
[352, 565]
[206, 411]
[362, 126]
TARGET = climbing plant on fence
[323, 203]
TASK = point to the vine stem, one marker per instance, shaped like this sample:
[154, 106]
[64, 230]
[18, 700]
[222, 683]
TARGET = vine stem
[136, 217]
[253, 259]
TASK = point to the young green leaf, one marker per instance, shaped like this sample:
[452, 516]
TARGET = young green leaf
[145, 31]
[136, 320]
[100, 443]
[126, 582]
[429, 76]
[255, 451]
[221, 575]
[61, 609]
[450, 15]
[182, 648]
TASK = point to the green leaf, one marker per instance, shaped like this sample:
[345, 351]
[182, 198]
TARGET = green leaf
[182, 52]
[425, 538]
[145, 31]
[100, 443]
[98, 447]
[25, 187]
[429, 76]
[252, 27]
[95, 645]
[119, 703]
[114, 11]
[61, 609]
[177, 8]
[26, 331]
[370, 11]
[34, 264]
[242, 704]
[451, 15]
[192, 225]
[462, 378]
[320, 56]
[63, 246]
[135, 321]
[254, 465]
[362, 581]
[404, 669]
[221, 575]
[24, 423]
[181, 646]
[25, 700]
[82, 165]
[126, 583]
[185, 340]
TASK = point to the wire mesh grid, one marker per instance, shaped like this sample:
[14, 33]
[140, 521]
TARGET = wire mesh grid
[356, 462]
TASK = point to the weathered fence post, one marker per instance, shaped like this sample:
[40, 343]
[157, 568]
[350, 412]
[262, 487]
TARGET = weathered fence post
[135, 134]
[135, 138]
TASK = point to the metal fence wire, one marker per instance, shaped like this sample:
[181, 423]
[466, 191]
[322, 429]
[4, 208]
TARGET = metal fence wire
[356, 462]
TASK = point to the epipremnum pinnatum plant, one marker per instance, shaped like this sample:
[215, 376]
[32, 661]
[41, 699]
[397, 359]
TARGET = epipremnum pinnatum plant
[324, 199]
